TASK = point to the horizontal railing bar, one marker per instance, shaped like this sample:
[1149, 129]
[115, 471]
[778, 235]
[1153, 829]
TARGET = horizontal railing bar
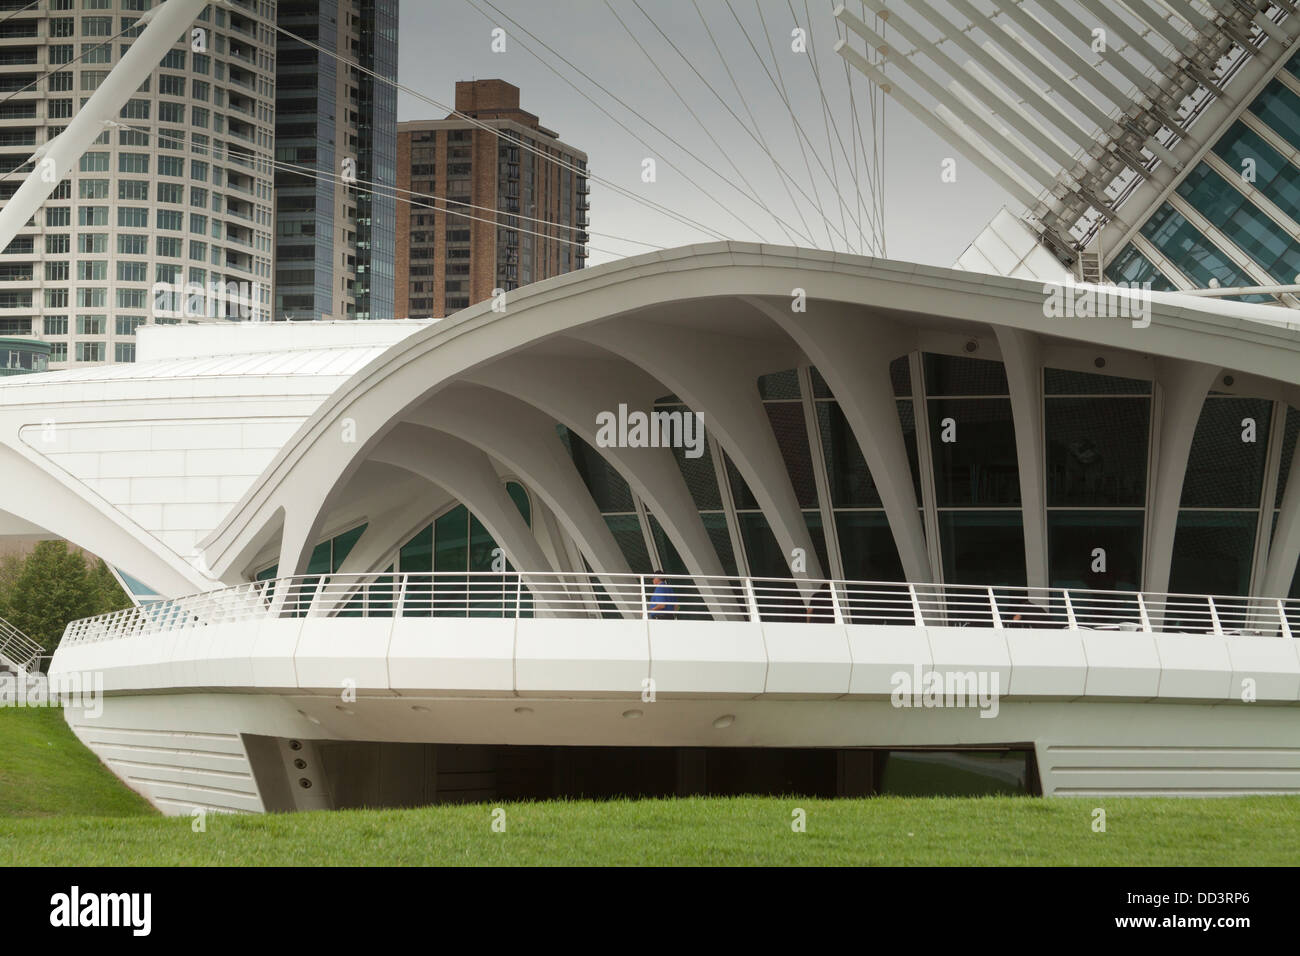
[628, 595]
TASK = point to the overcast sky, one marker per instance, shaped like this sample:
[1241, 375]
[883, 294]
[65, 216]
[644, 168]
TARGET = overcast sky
[925, 220]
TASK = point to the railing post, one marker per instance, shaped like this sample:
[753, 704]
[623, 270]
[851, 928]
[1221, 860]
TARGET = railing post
[1142, 612]
[993, 605]
[1214, 616]
[400, 604]
[1281, 613]
[519, 596]
[835, 603]
[1069, 611]
[916, 606]
[751, 599]
[645, 606]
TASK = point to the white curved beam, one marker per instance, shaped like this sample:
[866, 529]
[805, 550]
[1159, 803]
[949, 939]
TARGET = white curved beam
[853, 353]
[1022, 360]
[717, 376]
[95, 525]
[1182, 387]
[60, 156]
[574, 391]
[1284, 549]
[467, 473]
[525, 440]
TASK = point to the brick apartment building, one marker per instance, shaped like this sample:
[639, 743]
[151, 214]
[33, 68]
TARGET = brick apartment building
[536, 185]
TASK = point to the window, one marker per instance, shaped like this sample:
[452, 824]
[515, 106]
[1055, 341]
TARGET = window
[97, 26]
[170, 192]
[92, 242]
[92, 298]
[62, 26]
[168, 246]
[92, 215]
[90, 351]
[200, 91]
[135, 109]
[61, 53]
[198, 197]
[96, 53]
[56, 298]
[133, 163]
[56, 325]
[92, 270]
[132, 272]
[171, 219]
[58, 216]
[132, 298]
[169, 85]
[93, 188]
[127, 324]
[132, 137]
[124, 351]
[58, 245]
[56, 272]
[132, 245]
[171, 112]
[198, 251]
[133, 189]
[199, 117]
[60, 83]
[59, 352]
[94, 162]
[198, 224]
[198, 171]
[59, 109]
[91, 324]
[174, 60]
[133, 217]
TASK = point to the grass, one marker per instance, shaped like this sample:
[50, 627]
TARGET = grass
[60, 806]
[719, 831]
[45, 771]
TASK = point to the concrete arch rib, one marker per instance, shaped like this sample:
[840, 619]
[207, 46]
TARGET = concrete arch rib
[853, 354]
[1182, 390]
[314, 462]
[524, 439]
[467, 473]
[717, 376]
[96, 526]
[574, 391]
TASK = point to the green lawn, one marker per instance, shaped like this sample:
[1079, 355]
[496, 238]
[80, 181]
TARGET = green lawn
[59, 806]
[744, 830]
[46, 772]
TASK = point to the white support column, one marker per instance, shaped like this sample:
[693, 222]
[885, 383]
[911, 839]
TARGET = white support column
[1021, 359]
[853, 354]
[1285, 550]
[525, 441]
[467, 473]
[717, 377]
[1181, 390]
[573, 392]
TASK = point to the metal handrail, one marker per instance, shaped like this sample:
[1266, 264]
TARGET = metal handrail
[16, 648]
[547, 594]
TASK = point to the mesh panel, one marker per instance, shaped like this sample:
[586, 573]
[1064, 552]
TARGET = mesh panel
[1097, 450]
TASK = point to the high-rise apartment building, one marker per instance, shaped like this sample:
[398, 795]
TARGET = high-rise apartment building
[178, 193]
[490, 208]
[335, 244]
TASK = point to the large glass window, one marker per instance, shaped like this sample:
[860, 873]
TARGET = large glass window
[1242, 223]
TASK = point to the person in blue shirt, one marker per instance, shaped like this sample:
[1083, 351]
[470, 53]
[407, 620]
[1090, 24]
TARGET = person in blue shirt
[663, 602]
